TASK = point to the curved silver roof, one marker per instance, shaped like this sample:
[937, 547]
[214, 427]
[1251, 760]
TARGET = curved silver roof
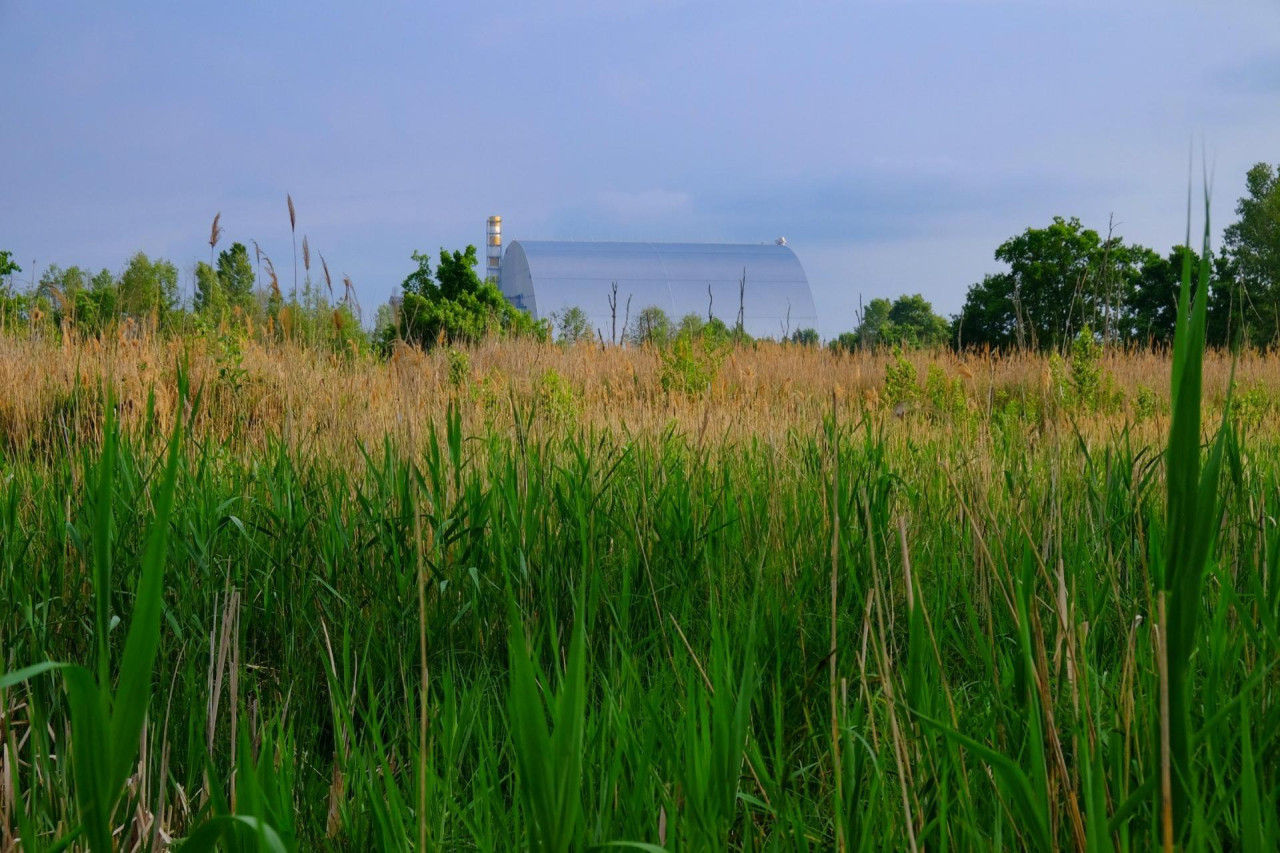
[544, 277]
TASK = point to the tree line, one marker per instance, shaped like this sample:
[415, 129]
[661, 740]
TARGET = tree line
[1064, 278]
[233, 293]
[1058, 281]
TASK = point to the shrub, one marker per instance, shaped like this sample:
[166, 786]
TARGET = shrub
[1086, 370]
[459, 368]
[557, 397]
[945, 395]
[1251, 406]
[900, 379]
[1145, 403]
[691, 363]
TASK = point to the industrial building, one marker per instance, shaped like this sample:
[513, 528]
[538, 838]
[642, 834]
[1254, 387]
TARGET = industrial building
[765, 281]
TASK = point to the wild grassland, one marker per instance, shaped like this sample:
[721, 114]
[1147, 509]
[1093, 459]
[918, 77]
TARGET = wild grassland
[522, 597]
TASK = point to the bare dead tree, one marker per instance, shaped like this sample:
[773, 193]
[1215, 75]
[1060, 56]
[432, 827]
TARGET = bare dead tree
[710, 299]
[613, 313]
[626, 319]
[742, 293]
[1019, 319]
[859, 318]
[1108, 284]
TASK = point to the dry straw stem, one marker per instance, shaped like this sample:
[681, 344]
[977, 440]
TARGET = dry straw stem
[764, 392]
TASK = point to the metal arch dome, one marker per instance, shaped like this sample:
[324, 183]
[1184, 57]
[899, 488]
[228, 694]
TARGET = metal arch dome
[545, 276]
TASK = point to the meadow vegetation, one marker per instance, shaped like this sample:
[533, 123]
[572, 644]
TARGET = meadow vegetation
[521, 595]
[267, 582]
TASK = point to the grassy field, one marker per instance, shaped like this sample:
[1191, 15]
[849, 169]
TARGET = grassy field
[519, 597]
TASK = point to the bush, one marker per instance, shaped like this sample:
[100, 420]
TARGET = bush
[557, 397]
[1251, 406]
[1145, 403]
[1090, 387]
[459, 368]
[946, 396]
[692, 362]
[900, 379]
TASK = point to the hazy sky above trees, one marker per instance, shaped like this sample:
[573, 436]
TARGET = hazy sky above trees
[895, 144]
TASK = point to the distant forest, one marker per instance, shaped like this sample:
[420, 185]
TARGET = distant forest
[1059, 281]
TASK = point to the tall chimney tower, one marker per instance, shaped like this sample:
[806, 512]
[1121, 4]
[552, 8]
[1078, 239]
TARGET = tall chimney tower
[493, 250]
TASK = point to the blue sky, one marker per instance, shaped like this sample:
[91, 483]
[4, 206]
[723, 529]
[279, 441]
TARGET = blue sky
[895, 144]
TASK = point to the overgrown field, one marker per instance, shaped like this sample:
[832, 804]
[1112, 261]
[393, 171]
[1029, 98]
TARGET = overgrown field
[521, 597]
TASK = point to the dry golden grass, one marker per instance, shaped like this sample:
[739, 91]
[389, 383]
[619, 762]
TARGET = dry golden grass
[327, 403]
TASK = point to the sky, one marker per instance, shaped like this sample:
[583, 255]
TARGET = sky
[894, 143]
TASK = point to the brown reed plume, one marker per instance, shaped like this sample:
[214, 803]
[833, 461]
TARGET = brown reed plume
[293, 230]
[349, 296]
[215, 234]
[328, 280]
[271, 271]
[306, 254]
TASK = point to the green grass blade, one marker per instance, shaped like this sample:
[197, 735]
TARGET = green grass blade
[91, 757]
[102, 544]
[207, 835]
[134, 691]
[28, 672]
[1015, 781]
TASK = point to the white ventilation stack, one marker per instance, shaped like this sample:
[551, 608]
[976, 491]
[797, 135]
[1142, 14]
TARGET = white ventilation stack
[493, 250]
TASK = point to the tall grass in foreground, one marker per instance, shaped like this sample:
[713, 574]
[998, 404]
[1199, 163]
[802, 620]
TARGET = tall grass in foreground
[862, 634]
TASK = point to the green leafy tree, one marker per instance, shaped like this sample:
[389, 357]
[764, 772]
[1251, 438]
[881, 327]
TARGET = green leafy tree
[1050, 270]
[210, 300]
[236, 278]
[87, 302]
[907, 321]
[988, 317]
[844, 342]
[1253, 245]
[59, 287]
[875, 322]
[691, 325]
[1061, 278]
[148, 287]
[572, 325]
[7, 265]
[1152, 305]
[456, 274]
[912, 321]
[806, 337]
[651, 326]
[1226, 322]
[421, 282]
[98, 307]
[12, 305]
[456, 305]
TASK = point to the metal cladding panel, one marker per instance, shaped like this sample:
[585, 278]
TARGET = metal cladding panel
[547, 277]
[514, 280]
